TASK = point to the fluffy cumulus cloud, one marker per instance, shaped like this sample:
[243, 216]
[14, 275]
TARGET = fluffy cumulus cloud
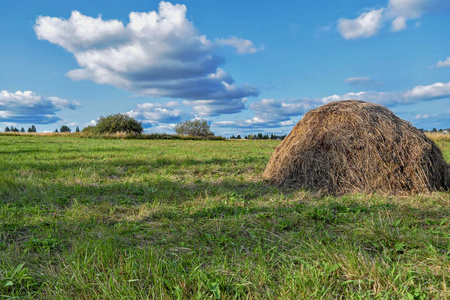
[152, 114]
[397, 12]
[29, 108]
[364, 26]
[443, 63]
[158, 54]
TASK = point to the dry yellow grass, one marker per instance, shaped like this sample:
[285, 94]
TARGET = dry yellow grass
[438, 136]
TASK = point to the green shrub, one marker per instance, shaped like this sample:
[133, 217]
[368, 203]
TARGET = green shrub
[118, 123]
[196, 127]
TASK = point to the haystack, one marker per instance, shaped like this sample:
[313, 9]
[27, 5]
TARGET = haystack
[356, 146]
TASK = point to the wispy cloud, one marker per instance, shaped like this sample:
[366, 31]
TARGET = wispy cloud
[242, 46]
[364, 82]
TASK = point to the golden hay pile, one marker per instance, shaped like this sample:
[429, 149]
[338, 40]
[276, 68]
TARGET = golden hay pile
[355, 146]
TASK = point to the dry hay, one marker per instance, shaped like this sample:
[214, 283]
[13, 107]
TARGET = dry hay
[355, 146]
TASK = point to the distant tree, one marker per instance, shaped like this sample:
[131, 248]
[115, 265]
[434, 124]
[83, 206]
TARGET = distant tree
[56, 130]
[77, 129]
[232, 137]
[7, 129]
[196, 127]
[65, 128]
[89, 129]
[434, 130]
[22, 129]
[238, 137]
[32, 128]
[118, 123]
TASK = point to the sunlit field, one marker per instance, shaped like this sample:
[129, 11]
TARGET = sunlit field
[168, 219]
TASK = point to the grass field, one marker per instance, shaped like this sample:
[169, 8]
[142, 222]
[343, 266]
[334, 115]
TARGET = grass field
[160, 219]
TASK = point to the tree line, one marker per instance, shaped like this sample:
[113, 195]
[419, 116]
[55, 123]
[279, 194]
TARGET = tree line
[63, 128]
[259, 136]
[14, 129]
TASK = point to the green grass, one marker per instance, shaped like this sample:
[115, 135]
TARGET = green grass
[166, 219]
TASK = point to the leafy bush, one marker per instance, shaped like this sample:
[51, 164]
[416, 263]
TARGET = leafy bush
[196, 127]
[118, 123]
[89, 129]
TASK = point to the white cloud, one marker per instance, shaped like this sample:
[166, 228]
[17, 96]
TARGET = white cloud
[287, 123]
[421, 116]
[242, 46]
[417, 94]
[443, 63]
[154, 113]
[402, 10]
[224, 123]
[366, 25]
[271, 113]
[429, 92]
[398, 12]
[158, 54]
[166, 128]
[365, 82]
[428, 121]
[398, 24]
[409, 9]
[80, 32]
[387, 99]
[253, 123]
[29, 108]
[273, 110]
[214, 108]
[91, 123]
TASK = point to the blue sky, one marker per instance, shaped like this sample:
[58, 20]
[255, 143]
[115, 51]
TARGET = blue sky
[245, 66]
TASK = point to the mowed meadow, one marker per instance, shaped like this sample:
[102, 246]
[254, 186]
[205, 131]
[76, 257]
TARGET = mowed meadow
[178, 219]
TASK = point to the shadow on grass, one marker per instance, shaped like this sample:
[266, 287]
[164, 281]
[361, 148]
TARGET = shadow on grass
[96, 162]
[158, 190]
